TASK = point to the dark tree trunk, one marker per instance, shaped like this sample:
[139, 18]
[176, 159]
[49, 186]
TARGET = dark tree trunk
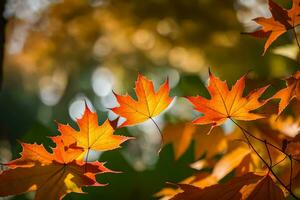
[2, 39]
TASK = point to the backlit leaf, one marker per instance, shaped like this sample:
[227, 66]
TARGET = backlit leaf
[225, 103]
[148, 104]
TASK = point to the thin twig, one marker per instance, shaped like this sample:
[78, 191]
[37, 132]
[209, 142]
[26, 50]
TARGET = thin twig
[265, 142]
[263, 160]
[161, 135]
[297, 41]
[295, 35]
[279, 162]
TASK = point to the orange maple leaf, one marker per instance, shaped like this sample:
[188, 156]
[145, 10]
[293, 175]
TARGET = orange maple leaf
[149, 103]
[287, 125]
[248, 186]
[227, 104]
[181, 136]
[291, 91]
[281, 21]
[51, 175]
[233, 160]
[91, 135]
[33, 154]
[202, 180]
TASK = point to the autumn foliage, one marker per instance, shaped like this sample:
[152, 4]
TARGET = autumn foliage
[148, 105]
[281, 21]
[258, 159]
[64, 170]
[227, 104]
[244, 160]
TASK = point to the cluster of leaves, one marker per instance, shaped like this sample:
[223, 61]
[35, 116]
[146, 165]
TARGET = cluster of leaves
[281, 21]
[66, 170]
[264, 159]
[246, 161]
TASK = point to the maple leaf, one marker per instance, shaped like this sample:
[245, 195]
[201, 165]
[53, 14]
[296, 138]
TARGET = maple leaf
[227, 104]
[288, 125]
[266, 188]
[232, 160]
[291, 91]
[33, 154]
[229, 162]
[148, 104]
[248, 186]
[293, 149]
[250, 163]
[281, 21]
[202, 180]
[91, 135]
[52, 176]
[293, 146]
[181, 136]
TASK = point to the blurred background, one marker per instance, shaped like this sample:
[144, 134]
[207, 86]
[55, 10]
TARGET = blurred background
[60, 53]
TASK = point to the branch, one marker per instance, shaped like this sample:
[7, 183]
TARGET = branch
[264, 141]
[270, 157]
[279, 162]
[161, 135]
[295, 35]
[246, 133]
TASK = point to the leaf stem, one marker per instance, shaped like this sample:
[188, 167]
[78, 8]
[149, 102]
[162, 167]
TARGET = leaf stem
[246, 133]
[160, 133]
[295, 35]
[265, 142]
